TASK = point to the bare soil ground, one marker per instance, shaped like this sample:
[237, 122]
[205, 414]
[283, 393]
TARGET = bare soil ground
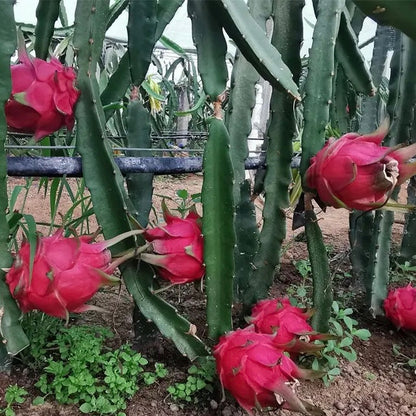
[376, 384]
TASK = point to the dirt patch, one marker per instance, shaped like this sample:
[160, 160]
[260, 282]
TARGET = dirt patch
[376, 384]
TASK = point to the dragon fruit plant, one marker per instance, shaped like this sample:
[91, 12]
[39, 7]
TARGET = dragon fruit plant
[39, 97]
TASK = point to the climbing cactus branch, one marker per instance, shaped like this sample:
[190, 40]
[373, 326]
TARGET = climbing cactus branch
[13, 339]
[318, 89]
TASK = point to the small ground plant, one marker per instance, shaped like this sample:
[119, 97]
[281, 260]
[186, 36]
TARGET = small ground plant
[14, 395]
[403, 358]
[341, 325]
[184, 201]
[81, 370]
[199, 382]
[345, 328]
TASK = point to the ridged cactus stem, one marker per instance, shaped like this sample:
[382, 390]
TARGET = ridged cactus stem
[318, 87]
[211, 47]
[390, 13]
[139, 185]
[350, 57]
[322, 285]
[402, 99]
[238, 121]
[370, 106]
[47, 13]
[106, 184]
[382, 241]
[403, 124]
[408, 245]
[287, 37]
[361, 237]
[141, 29]
[120, 79]
[12, 337]
[362, 223]
[339, 115]
[218, 226]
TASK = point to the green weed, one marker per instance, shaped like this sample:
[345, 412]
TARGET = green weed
[199, 381]
[81, 370]
[13, 395]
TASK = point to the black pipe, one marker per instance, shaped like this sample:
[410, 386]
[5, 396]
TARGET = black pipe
[72, 166]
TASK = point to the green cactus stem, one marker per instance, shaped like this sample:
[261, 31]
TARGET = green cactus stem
[120, 79]
[217, 227]
[370, 105]
[47, 13]
[322, 285]
[402, 99]
[362, 223]
[211, 47]
[338, 108]
[318, 88]
[361, 256]
[408, 244]
[252, 41]
[117, 85]
[390, 13]
[287, 38]
[350, 57]
[139, 185]
[238, 121]
[13, 339]
[141, 29]
[381, 242]
[106, 184]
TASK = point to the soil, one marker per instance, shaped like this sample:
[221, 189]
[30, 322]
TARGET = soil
[378, 383]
